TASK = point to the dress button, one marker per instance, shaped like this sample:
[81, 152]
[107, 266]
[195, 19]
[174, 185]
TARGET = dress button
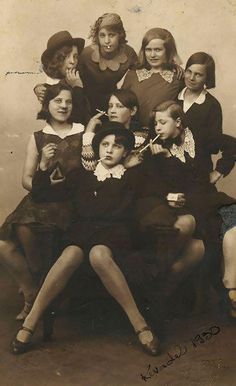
[95, 193]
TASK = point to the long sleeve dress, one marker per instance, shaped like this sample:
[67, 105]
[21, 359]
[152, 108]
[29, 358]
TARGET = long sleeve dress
[204, 118]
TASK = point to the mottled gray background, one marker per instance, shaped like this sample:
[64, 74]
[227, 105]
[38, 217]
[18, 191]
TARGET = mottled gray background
[27, 24]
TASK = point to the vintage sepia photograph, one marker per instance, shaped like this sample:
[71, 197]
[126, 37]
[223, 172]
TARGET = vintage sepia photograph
[118, 193]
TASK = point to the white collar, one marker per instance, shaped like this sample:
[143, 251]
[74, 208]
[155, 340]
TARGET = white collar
[187, 146]
[144, 73]
[52, 81]
[200, 99]
[102, 173]
[75, 129]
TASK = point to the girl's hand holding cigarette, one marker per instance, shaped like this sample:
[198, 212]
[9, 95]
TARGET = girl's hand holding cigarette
[133, 159]
[94, 121]
[157, 148]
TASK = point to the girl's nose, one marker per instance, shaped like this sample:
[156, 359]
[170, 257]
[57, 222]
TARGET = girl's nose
[71, 59]
[152, 54]
[192, 77]
[107, 39]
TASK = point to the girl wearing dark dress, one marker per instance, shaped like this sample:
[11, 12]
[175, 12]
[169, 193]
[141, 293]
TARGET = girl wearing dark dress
[60, 64]
[122, 107]
[155, 79]
[202, 110]
[101, 232]
[104, 63]
[178, 157]
[61, 142]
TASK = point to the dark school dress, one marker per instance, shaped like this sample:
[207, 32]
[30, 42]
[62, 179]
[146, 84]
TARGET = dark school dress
[205, 121]
[151, 89]
[103, 209]
[101, 75]
[185, 172]
[56, 213]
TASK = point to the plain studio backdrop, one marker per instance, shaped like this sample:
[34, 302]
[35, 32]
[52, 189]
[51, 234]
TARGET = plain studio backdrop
[26, 25]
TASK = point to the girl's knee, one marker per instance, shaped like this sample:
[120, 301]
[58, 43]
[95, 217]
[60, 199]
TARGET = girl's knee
[72, 256]
[6, 247]
[100, 257]
[186, 224]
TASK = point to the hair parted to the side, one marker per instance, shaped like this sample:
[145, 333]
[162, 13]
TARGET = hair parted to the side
[116, 27]
[208, 61]
[53, 66]
[126, 97]
[169, 44]
[51, 92]
[174, 110]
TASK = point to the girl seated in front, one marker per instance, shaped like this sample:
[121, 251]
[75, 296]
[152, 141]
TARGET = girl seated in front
[101, 231]
[61, 141]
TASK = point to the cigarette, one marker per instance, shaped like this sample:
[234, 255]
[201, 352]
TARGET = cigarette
[100, 159]
[145, 147]
[102, 112]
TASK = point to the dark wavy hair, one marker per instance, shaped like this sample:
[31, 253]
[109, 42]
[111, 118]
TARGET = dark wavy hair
[169, 44]
[175, 111]
[117, 28]
[208, 61]
[51, 92]
[53, 66]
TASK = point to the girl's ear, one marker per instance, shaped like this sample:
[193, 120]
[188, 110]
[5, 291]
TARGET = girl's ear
[125, 153]
[178, 122]
[133, 110]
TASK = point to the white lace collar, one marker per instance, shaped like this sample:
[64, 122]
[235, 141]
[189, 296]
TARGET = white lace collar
[102, 173]
[200, 99]
[75, 129]
[187, 146]
[143, 74]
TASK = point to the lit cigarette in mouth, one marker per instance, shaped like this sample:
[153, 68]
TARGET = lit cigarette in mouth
[147, 146]
[102, 112]
[100, 159]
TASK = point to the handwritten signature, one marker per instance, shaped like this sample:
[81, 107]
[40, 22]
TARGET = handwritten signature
[21, 73]
[179, 351]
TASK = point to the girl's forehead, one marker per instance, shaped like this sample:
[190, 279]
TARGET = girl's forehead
[63, 94]
[196, 67]
[163, 114]
[114, 99]
[109, 138]
[155, 43]
[107, 30]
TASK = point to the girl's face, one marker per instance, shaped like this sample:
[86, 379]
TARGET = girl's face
[118, 112]
[195, 77]
[108, 40]
[70, 61]
[166, 126]
[112, 151]
[60, 107]
[155, 53]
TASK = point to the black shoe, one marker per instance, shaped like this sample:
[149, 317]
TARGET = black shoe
[18, 347]
[153, 347]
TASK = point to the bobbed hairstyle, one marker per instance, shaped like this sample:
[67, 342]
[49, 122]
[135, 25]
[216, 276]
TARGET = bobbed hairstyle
[51, 92]
[208, 61]
[172, 56]
[174, 110]
[126, 97]
[110, 21]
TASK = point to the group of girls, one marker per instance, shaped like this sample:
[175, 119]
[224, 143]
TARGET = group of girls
[110, 158]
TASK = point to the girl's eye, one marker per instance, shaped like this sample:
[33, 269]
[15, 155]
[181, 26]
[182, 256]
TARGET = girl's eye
[105, 144]
[69, 102]
[120, 106]
[110, 106]
[58, 100]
